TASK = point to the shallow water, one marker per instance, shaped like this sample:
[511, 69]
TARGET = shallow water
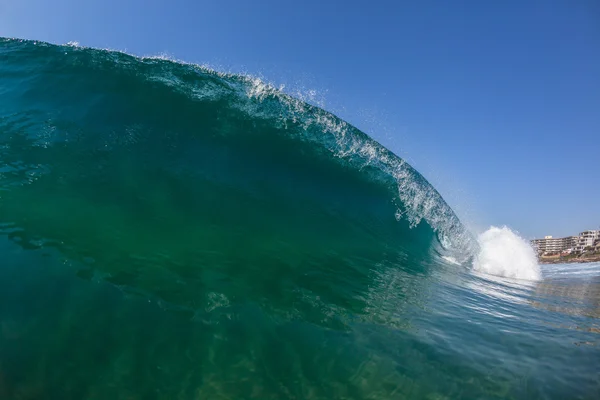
[447, 335]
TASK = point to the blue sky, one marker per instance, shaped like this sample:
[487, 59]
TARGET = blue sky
[496, 103]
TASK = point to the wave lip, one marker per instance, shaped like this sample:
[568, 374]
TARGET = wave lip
[504, 253]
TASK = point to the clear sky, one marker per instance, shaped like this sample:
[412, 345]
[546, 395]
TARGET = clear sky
[497, 103]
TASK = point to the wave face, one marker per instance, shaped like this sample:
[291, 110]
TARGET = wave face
[184, 167]
[185, 233]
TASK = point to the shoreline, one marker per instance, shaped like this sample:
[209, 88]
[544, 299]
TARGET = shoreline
[570, 260]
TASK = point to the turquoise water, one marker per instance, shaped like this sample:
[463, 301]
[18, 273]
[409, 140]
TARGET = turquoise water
[170, 232]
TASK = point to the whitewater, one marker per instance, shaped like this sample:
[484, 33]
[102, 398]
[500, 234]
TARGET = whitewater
[171, 231]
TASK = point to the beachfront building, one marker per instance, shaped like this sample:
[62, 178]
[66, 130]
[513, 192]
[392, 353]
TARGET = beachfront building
[567, 244]
[540, 245]
[570, 242]
[550, 244]
[586, 239]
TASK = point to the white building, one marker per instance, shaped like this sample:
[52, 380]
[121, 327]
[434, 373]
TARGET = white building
[586, 239]
[567, 244]
[554, 245]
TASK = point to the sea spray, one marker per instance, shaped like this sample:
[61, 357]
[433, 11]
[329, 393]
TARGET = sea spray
[504, 253]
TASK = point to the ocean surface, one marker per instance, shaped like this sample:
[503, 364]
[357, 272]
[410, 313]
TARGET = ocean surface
[172, 232]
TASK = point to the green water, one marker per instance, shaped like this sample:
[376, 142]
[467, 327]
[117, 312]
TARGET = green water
[168, 232]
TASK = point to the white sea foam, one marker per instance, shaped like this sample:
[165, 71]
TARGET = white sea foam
[504, 253]
[451, 260]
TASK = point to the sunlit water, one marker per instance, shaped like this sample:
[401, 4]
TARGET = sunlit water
[169, 232]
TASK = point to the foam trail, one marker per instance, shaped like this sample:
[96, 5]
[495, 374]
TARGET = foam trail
[504, 253]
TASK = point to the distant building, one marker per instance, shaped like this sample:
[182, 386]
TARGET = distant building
[566, 244]
[586, 239]
[570, 242]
